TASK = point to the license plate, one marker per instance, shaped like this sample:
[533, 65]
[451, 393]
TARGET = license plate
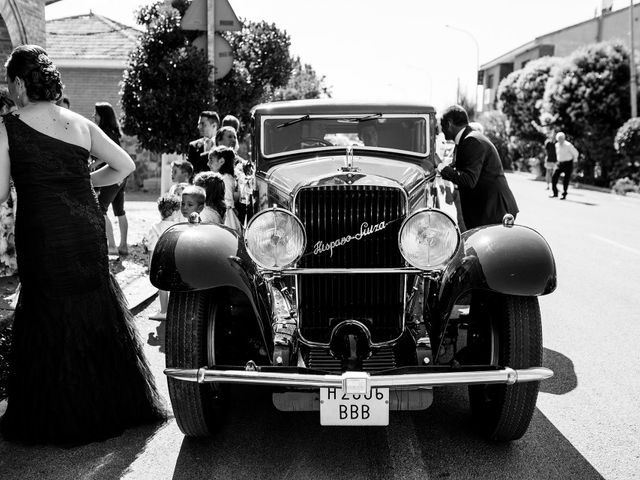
[337, 408]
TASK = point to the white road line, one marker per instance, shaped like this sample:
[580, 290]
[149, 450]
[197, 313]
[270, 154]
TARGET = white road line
[616, 244]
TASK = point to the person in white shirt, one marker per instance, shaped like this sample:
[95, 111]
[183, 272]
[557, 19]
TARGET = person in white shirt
[566, 154]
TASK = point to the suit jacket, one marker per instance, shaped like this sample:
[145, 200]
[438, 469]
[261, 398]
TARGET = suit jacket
[197, 156]
[485, 196]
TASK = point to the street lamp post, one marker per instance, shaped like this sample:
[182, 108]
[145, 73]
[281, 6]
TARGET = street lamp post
[475, 95]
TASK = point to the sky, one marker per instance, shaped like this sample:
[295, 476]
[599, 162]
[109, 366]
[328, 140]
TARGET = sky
[411, 50]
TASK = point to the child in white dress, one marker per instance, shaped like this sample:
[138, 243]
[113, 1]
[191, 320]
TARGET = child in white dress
[168, 206]
[214, 206]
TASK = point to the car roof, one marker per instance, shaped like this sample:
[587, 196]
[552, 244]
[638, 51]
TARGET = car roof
[334, 107]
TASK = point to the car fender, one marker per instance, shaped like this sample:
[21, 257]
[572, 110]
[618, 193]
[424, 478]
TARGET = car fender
[511, 259]
[190, 257]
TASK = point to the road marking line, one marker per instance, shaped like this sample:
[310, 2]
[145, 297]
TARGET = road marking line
[616, 244]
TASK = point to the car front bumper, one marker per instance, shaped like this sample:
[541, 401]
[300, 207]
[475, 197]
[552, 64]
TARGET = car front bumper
[361, 382]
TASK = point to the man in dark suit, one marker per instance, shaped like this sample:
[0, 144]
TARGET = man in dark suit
[198, 153]
[485, 196]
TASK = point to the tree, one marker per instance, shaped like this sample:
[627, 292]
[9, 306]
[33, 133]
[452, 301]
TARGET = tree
[507, 96]
[530, 88]
[262, 64]
[303, 84]
[166, 84]
[587, 97]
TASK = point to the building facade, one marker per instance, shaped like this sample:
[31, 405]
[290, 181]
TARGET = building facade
[91, 53]
[21, 22]
[606, 26]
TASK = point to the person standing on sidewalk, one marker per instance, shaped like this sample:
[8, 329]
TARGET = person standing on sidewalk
[566, 154]
[113, 195]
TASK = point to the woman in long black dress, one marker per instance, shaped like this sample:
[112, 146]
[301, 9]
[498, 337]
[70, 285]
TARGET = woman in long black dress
[78, 372]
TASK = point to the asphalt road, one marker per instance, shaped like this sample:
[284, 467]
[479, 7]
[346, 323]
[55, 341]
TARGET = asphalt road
[587, 424]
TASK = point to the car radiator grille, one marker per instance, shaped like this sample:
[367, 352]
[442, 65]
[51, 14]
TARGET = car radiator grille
[380, 359]
[330, 214]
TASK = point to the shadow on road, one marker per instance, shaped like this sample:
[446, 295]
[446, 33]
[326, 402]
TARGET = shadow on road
[104, 460]
[564, 377]
[157, 339]
[257, 441]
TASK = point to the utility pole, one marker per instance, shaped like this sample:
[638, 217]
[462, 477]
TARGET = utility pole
[632, 65]
[211, 35]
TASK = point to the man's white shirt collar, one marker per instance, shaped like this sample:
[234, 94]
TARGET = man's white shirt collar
[458, 136]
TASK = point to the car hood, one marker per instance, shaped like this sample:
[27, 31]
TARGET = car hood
[325, 171]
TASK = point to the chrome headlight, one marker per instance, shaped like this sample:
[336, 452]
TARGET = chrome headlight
[428, 239]
[275, 239]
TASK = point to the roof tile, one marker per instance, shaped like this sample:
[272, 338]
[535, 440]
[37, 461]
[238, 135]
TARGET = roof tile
[90, 36]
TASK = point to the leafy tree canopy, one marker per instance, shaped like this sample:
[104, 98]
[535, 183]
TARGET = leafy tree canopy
[262, 64]
[303, 84]
[587, 97]
[166, 84]
[530, 87]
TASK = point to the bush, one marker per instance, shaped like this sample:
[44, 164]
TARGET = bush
[626, 167]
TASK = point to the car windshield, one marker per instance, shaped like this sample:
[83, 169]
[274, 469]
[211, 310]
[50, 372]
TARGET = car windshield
[286, 134]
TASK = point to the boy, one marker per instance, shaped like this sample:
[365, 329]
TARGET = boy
[181, 172]
[168, 205]
[192, 200]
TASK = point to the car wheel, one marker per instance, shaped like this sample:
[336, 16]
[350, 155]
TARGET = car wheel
[506, 331]
[193, 321]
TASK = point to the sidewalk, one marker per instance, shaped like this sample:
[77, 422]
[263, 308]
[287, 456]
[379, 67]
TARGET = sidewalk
[573, 184]
[131, 271]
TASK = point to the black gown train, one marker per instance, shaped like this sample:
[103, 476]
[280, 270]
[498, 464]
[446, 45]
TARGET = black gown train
[78, 371]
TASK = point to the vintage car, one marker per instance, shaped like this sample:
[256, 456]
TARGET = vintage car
[350, 291]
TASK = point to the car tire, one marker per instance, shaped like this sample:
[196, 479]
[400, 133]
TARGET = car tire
[193, 318]
[508, 331]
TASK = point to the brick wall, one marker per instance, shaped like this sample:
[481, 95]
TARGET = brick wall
[86, 86]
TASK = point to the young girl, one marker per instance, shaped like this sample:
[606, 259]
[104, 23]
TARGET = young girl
[168, 205]
[214, 206]
[221, 160]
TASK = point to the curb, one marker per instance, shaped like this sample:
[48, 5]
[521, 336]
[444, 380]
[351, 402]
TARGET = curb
[580, 186]
[138, 291]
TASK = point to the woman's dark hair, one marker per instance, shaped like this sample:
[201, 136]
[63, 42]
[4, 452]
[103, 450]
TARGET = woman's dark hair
[229, 157]
[40, 76]
[221, 131]
[214, 186]
[108, 122]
